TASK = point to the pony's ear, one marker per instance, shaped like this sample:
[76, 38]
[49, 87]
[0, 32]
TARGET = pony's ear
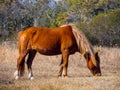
[87, 56]
[97, 57]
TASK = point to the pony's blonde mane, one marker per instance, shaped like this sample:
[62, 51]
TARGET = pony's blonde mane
[82, 42]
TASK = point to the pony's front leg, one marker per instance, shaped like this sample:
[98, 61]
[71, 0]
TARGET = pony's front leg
[61, 68]
[65, 55]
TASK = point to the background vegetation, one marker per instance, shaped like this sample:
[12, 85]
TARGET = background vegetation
[98, 19]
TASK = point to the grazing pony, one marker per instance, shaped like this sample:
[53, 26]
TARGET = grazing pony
[65, 40]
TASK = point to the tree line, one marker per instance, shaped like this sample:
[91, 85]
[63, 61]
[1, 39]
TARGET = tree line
[98, 19]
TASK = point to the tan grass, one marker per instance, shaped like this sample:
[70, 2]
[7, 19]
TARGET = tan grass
[45, 70]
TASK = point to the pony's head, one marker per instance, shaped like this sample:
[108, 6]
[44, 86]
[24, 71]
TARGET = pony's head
[94, 68]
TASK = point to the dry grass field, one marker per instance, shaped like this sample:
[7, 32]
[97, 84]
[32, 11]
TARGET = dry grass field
[45, 69]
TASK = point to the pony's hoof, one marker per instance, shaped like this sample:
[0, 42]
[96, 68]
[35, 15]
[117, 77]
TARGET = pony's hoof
[65, 76]
[17, 77]
[31, 78]
[60, 77]
[15, 73]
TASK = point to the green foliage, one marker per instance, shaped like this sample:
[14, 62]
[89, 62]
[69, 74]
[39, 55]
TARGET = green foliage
[11, 24]
[114, 18]
[99, 19]
[61, 18]
[104, 29]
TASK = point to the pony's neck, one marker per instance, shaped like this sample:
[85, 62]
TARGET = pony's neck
[83, 44]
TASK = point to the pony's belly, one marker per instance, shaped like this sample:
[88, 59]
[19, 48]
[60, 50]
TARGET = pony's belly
[47, 51]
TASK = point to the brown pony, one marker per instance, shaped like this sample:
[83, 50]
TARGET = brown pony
[65, 40]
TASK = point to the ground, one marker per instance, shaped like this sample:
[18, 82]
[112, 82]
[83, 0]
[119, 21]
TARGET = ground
[45, 69]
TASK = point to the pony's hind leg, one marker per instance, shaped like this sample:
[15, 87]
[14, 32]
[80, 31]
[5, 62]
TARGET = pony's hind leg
[20, 66]
[31, 56]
